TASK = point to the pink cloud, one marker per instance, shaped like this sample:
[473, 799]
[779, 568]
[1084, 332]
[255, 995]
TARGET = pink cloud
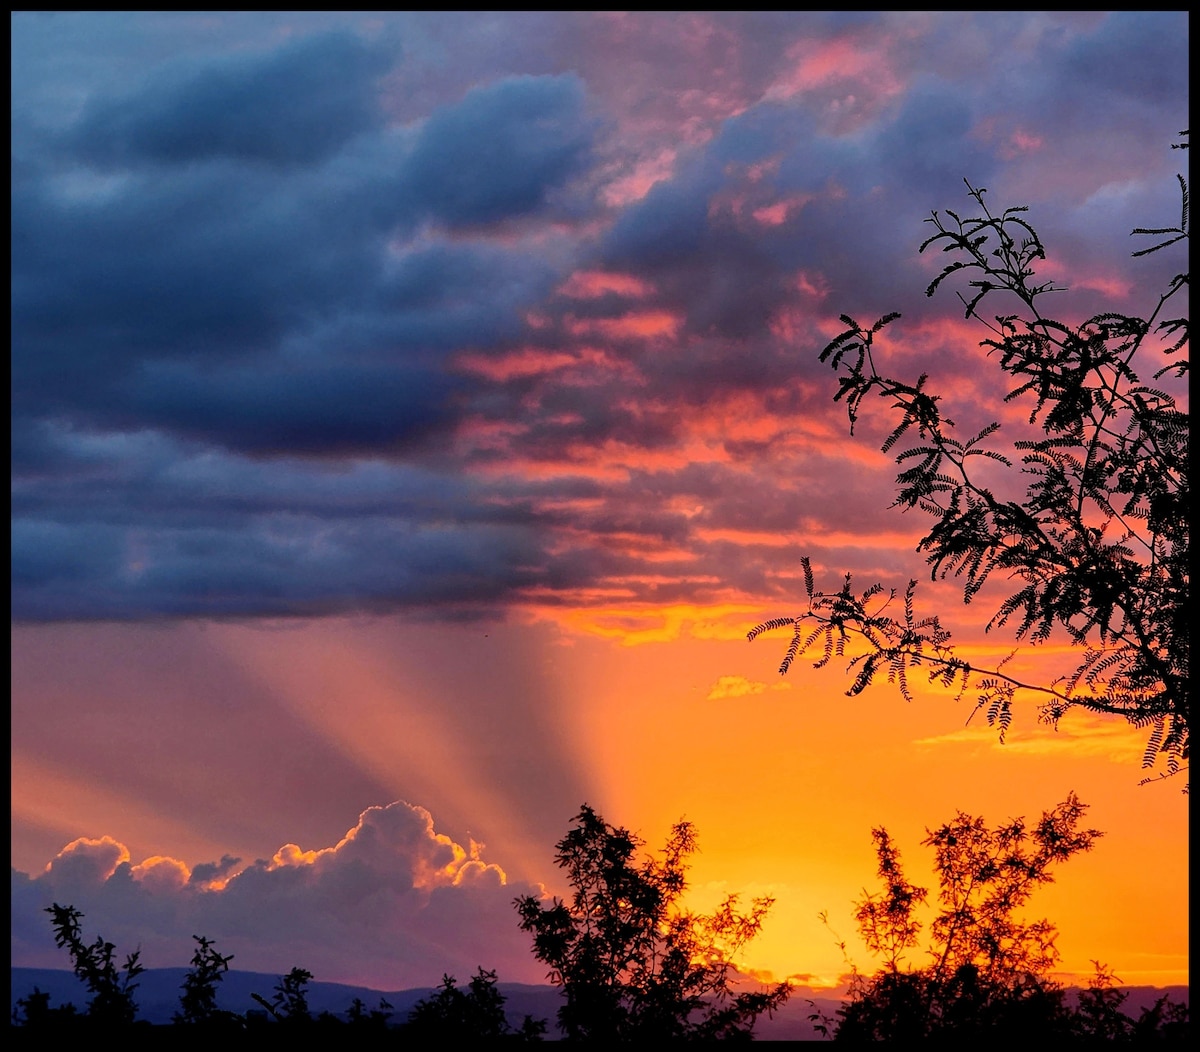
[635, 325]
[589, 284]
[1021, 141]
[773, 215]
[635, 181]
[526, 362]
[854, 75]
[1118, 286]
[1010, 140]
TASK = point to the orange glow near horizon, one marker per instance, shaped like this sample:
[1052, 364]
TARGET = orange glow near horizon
[667, 712]
[636, 625]
[744, 780]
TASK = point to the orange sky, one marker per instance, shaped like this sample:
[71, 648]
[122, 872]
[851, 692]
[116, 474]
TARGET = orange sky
[783, 777]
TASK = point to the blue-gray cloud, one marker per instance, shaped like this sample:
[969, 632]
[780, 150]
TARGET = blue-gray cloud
[500, 150]
[298, 104]
[278, 311]
[246, 275]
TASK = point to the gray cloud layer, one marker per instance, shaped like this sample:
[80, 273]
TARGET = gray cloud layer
[245, 279]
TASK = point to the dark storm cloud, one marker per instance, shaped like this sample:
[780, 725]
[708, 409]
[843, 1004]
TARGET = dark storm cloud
[857, 215]
[926, 148]
[320, 409]
[274, 565]
[129, 479]
[206, 872]
[296, 105]
[205, 257]
[500, 150]
[270, 303]
[149, 527]
[447, 296]
[52, 558]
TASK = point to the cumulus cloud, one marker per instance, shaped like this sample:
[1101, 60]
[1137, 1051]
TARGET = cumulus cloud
[393, 903]
[87, 862]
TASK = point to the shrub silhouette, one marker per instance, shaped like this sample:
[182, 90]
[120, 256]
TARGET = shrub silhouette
[290, 1003]
[360, 1016]
[632, 964]
[198, 1002]
[112, 988]
[473, 1014]
[36, 1011]
[476, 1013]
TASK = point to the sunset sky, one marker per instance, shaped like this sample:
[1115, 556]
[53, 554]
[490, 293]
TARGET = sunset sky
[412, 413]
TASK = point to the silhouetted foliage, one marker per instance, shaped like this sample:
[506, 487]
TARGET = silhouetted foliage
[1098, 1015]
[290, 1003]
[198, 1002]
[473, 1014]
[990, 975]
[632, 964]
[985, 875]
[360, 1016]
[36, 1011]
[1098, 540]
[112, 988]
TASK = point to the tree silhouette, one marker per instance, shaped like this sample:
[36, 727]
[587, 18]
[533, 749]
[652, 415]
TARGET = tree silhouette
[990, 972]
[472, 1014]
[1087, 510]
[1098, 1015]
[631, 963]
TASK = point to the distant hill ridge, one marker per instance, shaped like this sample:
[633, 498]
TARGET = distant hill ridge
[158, 991]
[159, 988]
